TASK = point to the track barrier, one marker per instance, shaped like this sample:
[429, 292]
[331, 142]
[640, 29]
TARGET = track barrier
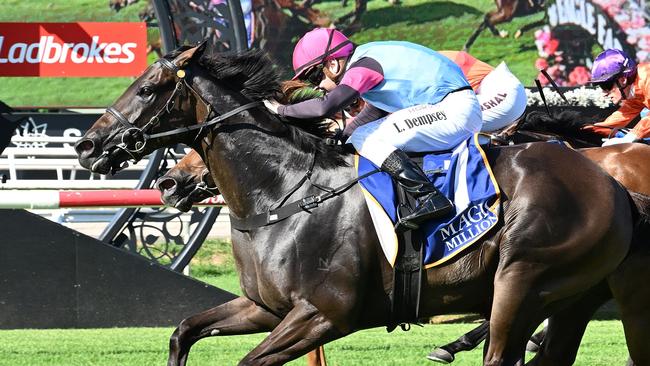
[52, 199]
[56, 277]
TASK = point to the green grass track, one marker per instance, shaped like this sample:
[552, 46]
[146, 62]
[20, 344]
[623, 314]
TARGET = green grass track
[602, 345]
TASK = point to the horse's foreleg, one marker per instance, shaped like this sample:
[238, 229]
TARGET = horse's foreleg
[467, 342]
[529, 26]
[303, 329]
[308, 3]
[239, 316]
[493, 29]
[354, 16]
[317, 357]
[474, 35]
[516, 311]
[286, 4]
[632, 297]
[502, 15]
[566, 328]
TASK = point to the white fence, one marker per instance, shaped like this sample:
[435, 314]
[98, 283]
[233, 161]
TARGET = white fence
[31, 154]
[61, 160]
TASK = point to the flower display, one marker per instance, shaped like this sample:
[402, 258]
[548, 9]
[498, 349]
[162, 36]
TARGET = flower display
[630, 16]
[542, 38]
[582, 97]
[579, 76]
[551, 58]
[567, 58]
[541, 63]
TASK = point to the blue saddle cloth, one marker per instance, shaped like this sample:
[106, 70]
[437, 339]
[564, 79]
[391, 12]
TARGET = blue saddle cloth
[463, 175]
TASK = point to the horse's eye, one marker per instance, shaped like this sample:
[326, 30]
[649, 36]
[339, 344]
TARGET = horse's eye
[145, 92]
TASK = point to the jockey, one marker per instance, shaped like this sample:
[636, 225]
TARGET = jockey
[500, 93]
[626, 83]
[416, 100]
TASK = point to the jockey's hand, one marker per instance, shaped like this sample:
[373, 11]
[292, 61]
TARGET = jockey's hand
[272, 105]
[603, 131]
[630, 137]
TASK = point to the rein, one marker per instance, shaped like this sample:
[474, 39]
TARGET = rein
[203, 188]
[275, 215]
[272, 215]
[140, 133]
[508, 138]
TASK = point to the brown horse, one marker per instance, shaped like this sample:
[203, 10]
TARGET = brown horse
[117, 5]
[554, 241]
[625, 164]
[506, 10]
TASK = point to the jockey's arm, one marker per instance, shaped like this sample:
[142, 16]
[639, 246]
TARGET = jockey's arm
[628, 110]
[362, 76]
[334, 101]
[642, 129]
[369, 113]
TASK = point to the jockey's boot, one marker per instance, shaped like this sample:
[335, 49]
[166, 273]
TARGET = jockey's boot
[431, 202]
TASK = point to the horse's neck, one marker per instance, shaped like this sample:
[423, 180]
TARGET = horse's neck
[577, 139]
[253, 169]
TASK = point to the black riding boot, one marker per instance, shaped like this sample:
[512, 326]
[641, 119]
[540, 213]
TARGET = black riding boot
[431, 203]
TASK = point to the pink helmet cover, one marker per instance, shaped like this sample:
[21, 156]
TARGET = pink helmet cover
[319, 45]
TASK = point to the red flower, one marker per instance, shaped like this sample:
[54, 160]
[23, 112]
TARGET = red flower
[579, 76]
[551, 47]
[542, 79]
[555, 72]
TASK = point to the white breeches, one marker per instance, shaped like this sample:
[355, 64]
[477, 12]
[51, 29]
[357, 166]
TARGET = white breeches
[502, 98]
[426, 127]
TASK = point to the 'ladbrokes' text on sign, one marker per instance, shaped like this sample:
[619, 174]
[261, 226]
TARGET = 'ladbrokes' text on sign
[72, 49]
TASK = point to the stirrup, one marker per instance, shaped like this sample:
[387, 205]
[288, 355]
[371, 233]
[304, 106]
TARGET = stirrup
[403, 225]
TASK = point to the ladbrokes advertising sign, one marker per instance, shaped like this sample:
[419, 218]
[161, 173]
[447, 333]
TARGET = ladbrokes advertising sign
[72, 49]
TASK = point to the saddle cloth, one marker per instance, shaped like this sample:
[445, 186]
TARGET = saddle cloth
[463, 175]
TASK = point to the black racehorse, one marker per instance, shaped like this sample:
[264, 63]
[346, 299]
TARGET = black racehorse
[320, 274]
[8, 126]
[186, 183]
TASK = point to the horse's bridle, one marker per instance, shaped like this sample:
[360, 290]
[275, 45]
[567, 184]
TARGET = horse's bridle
[203, 187]
[140, 135]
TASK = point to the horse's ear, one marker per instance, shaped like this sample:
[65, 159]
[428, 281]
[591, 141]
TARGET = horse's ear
[193, 53]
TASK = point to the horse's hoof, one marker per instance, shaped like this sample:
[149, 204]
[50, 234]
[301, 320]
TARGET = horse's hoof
[518, 33]
[503, 33]
[441, 355]
[532, 347]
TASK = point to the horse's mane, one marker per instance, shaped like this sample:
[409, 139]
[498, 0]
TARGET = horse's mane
[253, 74]
[566, 123]
[250, 72]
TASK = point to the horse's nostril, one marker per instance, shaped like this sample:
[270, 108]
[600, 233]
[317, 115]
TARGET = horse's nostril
[166, 184]
[86, 145]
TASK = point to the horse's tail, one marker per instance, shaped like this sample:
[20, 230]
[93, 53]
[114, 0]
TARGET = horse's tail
[642, 214]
